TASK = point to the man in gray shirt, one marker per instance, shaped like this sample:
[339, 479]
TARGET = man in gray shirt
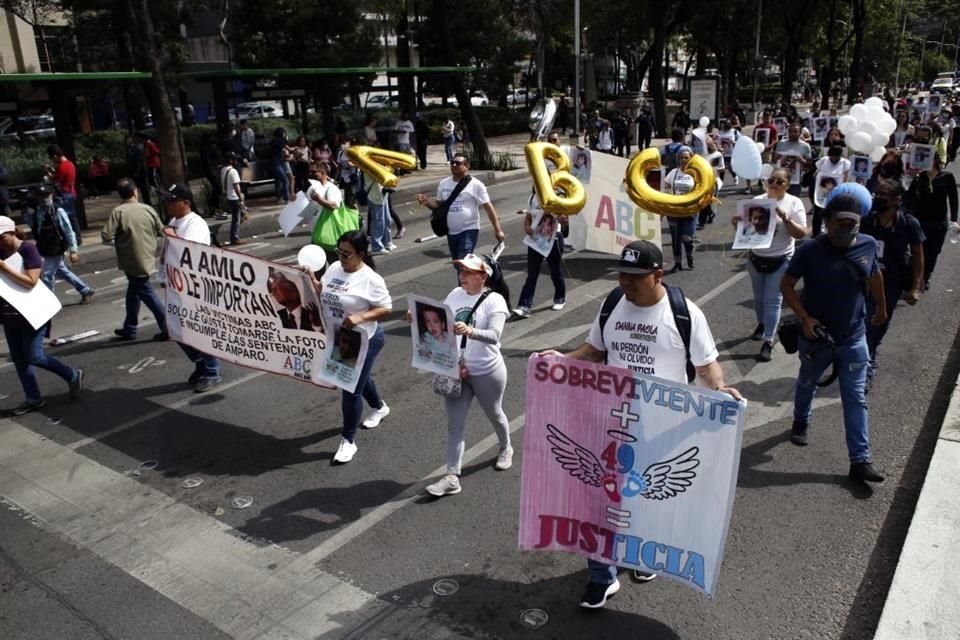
[794, 155]
[133, 228]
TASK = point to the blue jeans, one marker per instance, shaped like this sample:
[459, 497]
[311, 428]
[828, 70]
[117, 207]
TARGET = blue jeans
[351, 404]
[379, 226]
[204, 365]
[767, 298]
[602, 573]
[448, 143]
[54, 266]
[139, 290]
[534, 261]
[69, 204]
[233, 208]
[462, 243]
[681, 235]
[281, 182]
[852, 360]
[26, 351]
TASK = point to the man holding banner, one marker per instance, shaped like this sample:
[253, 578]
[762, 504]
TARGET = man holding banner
[651, 331]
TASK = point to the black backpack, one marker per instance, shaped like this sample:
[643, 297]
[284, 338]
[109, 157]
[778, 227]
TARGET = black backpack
[51, 240]
[681, 315]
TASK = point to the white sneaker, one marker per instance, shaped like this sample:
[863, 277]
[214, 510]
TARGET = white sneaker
[523, 312]
[376, 417]
[391, 247]
[504, 460]
[558, 306]
[345, 451]
[446, 486]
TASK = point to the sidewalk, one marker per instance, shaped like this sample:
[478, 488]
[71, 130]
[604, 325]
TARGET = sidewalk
[922, 603]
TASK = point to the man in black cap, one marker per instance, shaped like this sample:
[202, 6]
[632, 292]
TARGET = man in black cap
[838, 269]
[644, 312]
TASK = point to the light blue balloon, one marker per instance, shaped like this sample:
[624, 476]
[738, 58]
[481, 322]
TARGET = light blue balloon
[857, 191]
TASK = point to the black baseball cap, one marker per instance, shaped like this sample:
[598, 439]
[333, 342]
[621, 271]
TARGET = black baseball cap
[640, 257]
[178, 191]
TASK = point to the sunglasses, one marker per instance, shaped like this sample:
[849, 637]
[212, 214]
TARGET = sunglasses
[456, 163]
[776, 181]
[344, 255]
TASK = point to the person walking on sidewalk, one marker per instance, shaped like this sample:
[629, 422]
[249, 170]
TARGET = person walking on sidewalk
[535, 260]
[133, 229]
[480, 309]
[449, 134]
[54, 235]
[185, 223]
[463, 215]
[421, 133]
[236, 207]
[838, 269]
[642, 300]
[24, 342]
[63, 174]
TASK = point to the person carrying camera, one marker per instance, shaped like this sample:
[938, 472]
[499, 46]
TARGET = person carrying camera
[838, 269]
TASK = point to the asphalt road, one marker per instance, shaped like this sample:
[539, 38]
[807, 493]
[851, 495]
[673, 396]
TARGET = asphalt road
[355, 551]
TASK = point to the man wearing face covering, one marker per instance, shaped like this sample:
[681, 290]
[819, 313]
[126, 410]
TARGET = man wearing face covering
[838, 269]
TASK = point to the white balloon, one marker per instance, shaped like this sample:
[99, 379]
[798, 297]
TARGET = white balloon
[877, 154]
[888, 125]
[876, 115]
[867, 127]
[859, 112]
[761, 147]
[860, 141]
[874, 101]
[704, 121]
[766, 171]
[880, 139]
[745, 160]
[847, 124]
[313, 257]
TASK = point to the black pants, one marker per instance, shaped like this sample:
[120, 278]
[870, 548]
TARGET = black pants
[893, 292]
[706, 215]
[301, 176]
[644, 139]
[817, 220]
[422, 155]
[936, 234]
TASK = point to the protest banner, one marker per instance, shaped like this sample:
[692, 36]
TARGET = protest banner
[300, 210]
[342, 358]
[435, 346]
[37, 304]
[242, 309]
[610, 220]
[627, 469]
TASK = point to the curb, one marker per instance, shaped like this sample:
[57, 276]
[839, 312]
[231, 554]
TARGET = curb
[922, 601]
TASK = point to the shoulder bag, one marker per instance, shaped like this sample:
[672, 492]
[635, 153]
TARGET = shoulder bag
[448, 386]
[333, 223]
[438, 218]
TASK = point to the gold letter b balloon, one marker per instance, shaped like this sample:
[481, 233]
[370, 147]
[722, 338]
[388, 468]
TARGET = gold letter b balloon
[665, 204]
[572, 196]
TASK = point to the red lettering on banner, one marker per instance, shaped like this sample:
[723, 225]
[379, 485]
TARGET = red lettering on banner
[605, 382]
[605, 214]
[175, 278]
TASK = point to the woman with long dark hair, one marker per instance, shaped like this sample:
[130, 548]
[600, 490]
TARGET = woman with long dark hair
[682, 228]
[480, 309]
[929, 195]
[354, 296]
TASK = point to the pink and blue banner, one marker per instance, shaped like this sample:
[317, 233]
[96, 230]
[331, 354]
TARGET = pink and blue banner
[627, 469]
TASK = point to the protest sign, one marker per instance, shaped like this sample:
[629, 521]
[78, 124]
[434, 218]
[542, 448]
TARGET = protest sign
[756, 223]
[435, 346]
[610, 220]
[628, 469]
[37, 305]
[544, 233]
[242, 309]
[342, 358]
[299, 210]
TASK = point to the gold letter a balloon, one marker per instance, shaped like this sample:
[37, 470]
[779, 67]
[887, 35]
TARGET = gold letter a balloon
[665, 204]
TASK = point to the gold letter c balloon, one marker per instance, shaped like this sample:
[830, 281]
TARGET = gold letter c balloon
[375, 162]
[572, 196]
[665, 204]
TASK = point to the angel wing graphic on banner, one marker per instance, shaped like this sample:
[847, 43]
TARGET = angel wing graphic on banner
[659, 481]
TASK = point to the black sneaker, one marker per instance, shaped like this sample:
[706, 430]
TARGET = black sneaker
[27, 407]
[196, 377]
[124, 336]
[206, 384]
[643, 576]
[766, 352]
[757, 333]
[85, 298]
[864, 472]
[163, 336]
[76, 385]
[596, 594]
[798, 434]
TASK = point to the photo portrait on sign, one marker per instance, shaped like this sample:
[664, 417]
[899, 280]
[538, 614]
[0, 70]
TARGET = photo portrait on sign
[794, 166]
[342, 358]
[435, 347]
[821, 126]
[933, 102]
[781, 124]
[544, 232]
[290, 309]
[861, 167]
[762, 136]
[580, 164]
[921, 157]
[824, 185]
[756, 223]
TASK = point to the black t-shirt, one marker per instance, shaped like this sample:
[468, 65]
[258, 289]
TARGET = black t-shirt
[928, 200]
[31, 260]
[893, 246]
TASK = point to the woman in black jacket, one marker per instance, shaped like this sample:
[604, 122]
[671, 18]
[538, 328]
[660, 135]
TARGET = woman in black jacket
[927, 199]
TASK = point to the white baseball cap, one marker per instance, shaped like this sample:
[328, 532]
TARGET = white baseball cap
[473, 262]
[7, 225]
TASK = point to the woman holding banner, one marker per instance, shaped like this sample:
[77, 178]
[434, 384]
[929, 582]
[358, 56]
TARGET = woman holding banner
[354, 296]
[480, 309]
[25, 342]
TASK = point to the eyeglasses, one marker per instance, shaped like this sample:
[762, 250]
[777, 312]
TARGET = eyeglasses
[776, 181]
[456, 163]
[344, 255]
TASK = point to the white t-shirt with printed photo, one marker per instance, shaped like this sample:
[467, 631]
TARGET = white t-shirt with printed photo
[646, 340]
[678, 183]
[783, 243]
[464, 213]
[345, 294]
[480, 358]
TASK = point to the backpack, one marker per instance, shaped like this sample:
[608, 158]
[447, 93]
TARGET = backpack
[668, 156]
[681, 315]
[51, 240]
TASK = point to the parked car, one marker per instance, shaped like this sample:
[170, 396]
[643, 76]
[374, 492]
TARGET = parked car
[477, 99]
[255, 111]
[518, 97]
[942, 85]
[383, 101]
[33, 127]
